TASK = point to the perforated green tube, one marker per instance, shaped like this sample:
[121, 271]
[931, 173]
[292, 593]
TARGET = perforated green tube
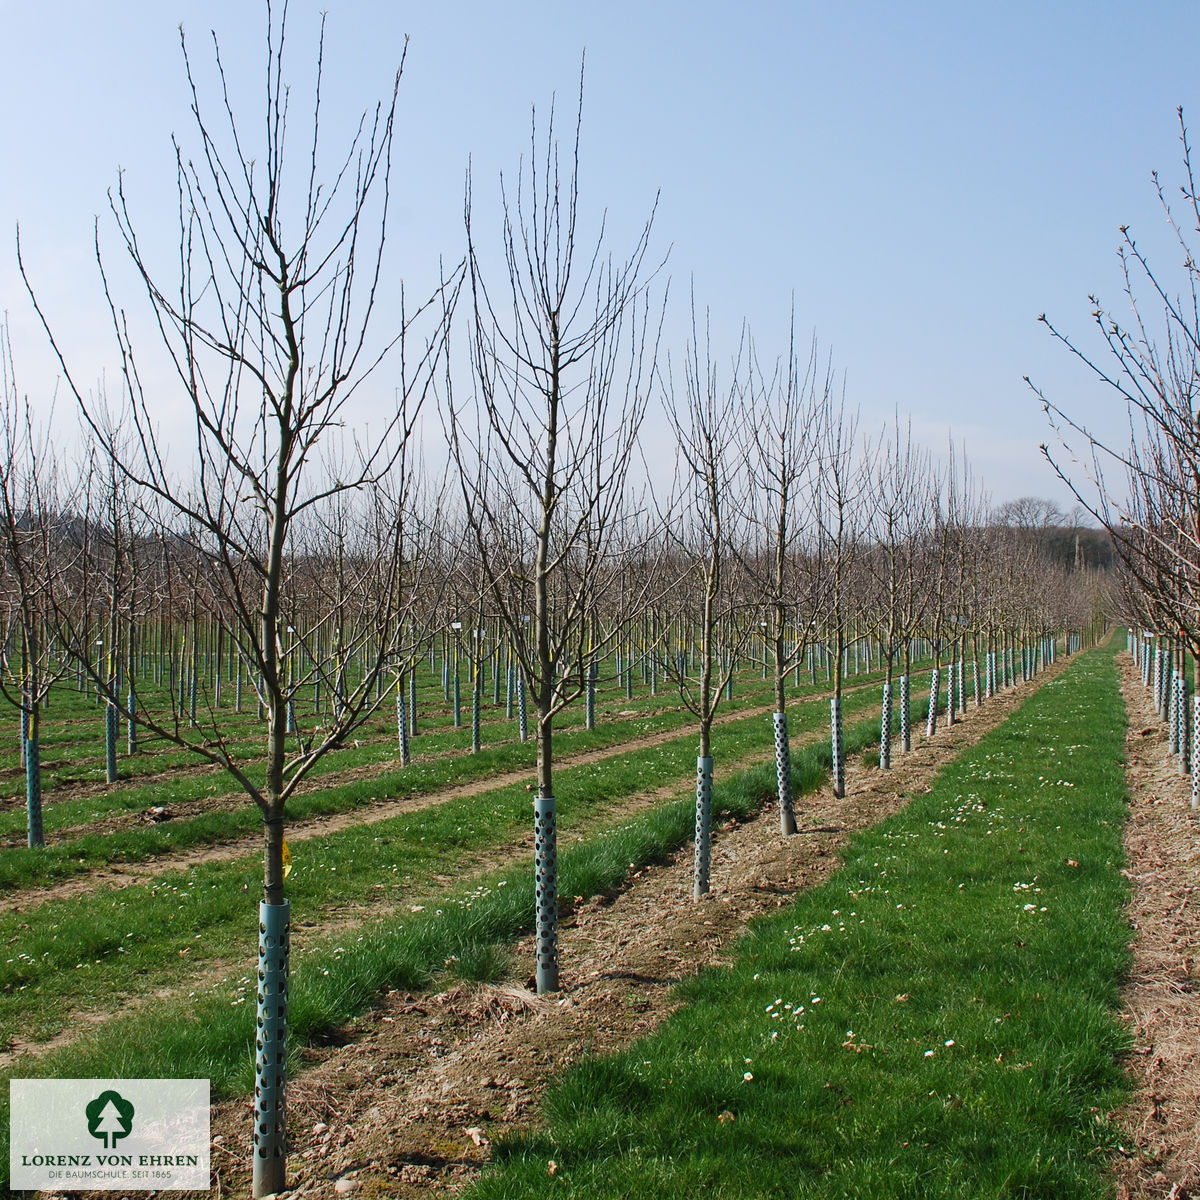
[545, 869]
[702, 859]
[783, 774]
[270, 1061]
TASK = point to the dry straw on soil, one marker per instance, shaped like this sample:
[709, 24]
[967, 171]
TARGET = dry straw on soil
[1162, 1000]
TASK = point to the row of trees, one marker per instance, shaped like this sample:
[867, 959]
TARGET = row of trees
[330, 562]
[103, 585]
[1144, 487]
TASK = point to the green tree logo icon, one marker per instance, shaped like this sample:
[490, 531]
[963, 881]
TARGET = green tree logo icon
[109, 1117]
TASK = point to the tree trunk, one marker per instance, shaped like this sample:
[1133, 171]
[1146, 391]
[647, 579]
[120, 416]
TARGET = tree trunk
[702, 858]
[835, 719]
[783, 753]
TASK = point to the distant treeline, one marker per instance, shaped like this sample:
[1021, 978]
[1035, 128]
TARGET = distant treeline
[1072, 545]
[1058, 534]
[1076, 545]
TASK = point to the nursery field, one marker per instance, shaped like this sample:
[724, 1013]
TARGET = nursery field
[393, 672]
[402, 876]
[919, 994]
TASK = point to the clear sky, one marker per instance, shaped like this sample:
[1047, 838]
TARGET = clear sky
[924, 178]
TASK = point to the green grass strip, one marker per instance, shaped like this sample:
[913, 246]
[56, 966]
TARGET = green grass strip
[453, 764]
[210, 1034]
[935, 1021]
[53, 962]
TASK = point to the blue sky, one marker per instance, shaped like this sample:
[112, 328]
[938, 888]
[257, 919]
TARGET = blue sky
[925, 178]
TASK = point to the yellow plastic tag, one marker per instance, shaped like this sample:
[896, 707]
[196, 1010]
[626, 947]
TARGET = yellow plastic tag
[287, 861]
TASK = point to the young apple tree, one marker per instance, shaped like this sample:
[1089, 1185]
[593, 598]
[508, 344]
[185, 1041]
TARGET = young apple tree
[562, 350]
[264, 316]
[708, 533]
[782, 478]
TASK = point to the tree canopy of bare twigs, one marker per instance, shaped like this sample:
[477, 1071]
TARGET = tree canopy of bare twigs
[562, 350]
[1146, 492]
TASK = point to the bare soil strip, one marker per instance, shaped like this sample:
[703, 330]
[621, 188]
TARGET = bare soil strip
[1162, 997]
[423, 1084]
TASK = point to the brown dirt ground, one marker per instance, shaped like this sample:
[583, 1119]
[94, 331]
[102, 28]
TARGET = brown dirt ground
[1162, 998]
[411, 1100]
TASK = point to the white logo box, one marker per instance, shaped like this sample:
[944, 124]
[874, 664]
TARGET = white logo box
[72, 1135]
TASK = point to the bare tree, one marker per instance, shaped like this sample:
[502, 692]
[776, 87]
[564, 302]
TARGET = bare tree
[780, 493]
[900, 504]
[839, 514]
[562, 354]
[265, 323]
[936, 569]
[708, 535]
[1029, 513]
[957, 510]
[412, 506]
[1146, 491]
[969, 507]
[32, 550]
